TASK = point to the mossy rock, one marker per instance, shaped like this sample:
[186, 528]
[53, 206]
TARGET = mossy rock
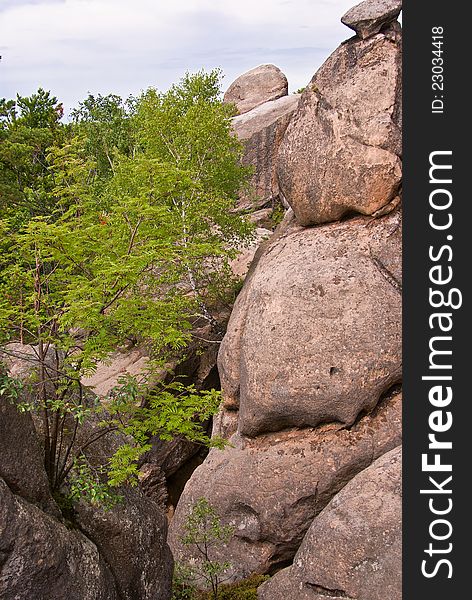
[241, 590]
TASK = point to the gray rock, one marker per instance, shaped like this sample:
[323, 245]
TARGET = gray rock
[21, 457]
[353, 548]
[259, 85]
[315, 334]
[370, 16]
[119, 553]
[341, 150]
[262, 130]
[270, 488]
[131, 537]
[41, 559]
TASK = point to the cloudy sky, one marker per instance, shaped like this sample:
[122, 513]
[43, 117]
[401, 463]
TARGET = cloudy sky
[73, 47]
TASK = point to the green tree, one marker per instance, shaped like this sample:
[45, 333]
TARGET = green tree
[29, 126]
[134, 259]
[106, 122]
[205, 533]
[38, 111]
[189, 128]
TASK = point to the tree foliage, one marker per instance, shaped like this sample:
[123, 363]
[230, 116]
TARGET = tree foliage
[126, 238]
[205, 534]
[29, 125]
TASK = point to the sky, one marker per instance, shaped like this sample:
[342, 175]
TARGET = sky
[76, 47]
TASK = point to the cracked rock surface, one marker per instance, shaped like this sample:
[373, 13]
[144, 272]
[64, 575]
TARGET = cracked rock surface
[271, 488]
[352, 550]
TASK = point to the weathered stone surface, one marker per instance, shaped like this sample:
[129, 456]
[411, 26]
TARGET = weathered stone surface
[259, 85]
[353, 548]
[262, 218]
[120, 553]
[341, 150]
[21, 458]
[262, 130]
[272, 487]
[315, 335]
[119, 364]
[131, 537]
[240, 265]
[370, 16]
[264, 116]
[41, 559]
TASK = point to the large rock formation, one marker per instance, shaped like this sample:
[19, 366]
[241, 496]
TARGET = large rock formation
[310, 368]
[42, 559]
[353, 548]
[262, 130]
[315, 336]
[259, 85]
[341, 151]
[311, 361]
[93, 554]
[131, 538]
[313, 343]
[271, 488]
[370, 16]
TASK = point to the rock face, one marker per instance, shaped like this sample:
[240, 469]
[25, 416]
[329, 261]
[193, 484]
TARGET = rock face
[259, 85]
[270, 489]
[131, 537]
[353, 548]
[118, 365]
[310, 365]
[326, 304]
[369, 17]
[95, 554]
[40, 558]
[341, 151]
[262, 130]
[21, 465]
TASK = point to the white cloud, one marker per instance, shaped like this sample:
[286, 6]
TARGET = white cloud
[76, 46]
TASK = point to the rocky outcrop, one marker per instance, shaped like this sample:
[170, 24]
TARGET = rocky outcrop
[370, 16]
[353, 548]
[90, 554]
[131, 537]
[341, 151]
[271, 488]
[262, 130]
[310, 369]
[41, 559]
[259, 85]
[103, 554]
[22, 463]
[326, 304]
[310, 365]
